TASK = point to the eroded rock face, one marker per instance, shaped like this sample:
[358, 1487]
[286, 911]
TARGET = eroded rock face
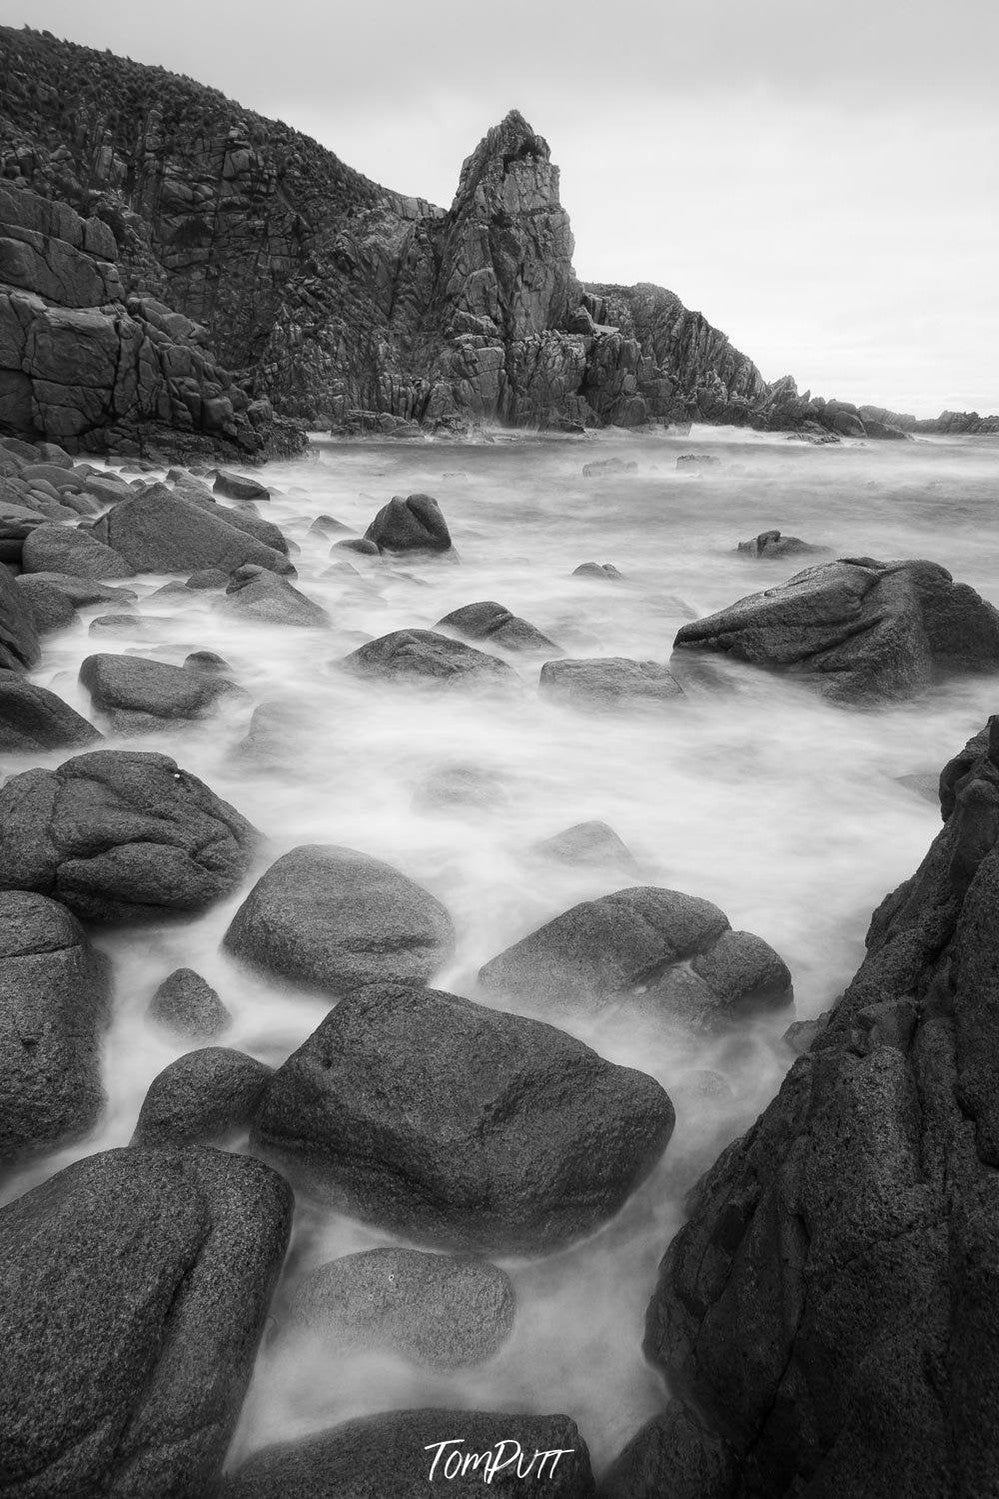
[162, 1265]
[859, 630]
[829, 1316]
[459, 1125]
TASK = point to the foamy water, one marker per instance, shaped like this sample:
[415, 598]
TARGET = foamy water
[787, 812]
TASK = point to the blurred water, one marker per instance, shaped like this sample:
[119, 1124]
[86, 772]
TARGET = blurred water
[785, 811]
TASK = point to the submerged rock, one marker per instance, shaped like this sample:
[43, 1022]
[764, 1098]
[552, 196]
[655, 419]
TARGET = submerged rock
[423, 655]
[775, 544]
[587, 843]
[138, 696]
[607, 682]
[32, 718]
[203, 1096]
[602, 571]
[413, 524]
[185, 1004]
[492, 622]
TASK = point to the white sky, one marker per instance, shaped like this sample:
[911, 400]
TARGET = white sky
[821, 180]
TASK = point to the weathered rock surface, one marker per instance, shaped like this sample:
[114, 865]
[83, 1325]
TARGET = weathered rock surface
[331, 918]
[19, 646]
[50, 609]
[136, 696]
[160, 1266]
[413, 524]
[859, 630]
[424, 656]
[187, 1005]
[65, 549]
[255, 593]
[607, 682]
[54, 1004]
[491, 621]
[460, 1125]
[161, 531]
[204, 1096]
[33, 718]
[117, 835]
[441, 1310]
[672, 954]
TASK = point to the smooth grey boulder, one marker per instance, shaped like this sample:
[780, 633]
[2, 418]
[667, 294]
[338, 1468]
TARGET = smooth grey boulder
[443, 1311]
[776, 545]
[607, 682]
[69, 549]
[492, 622]
[202, 1097]
[33, 718]
[19, 645]
[460, 1125]
[331, 918]
[423, 655]
[602, 571]
[587, 843]
[54, 1006]
[185, 1004]
[137, 1283]
[860, 631]
[160, 531]
[358, 544]
[255, 593]
[389, 1456]
[238, 487]
[138, 696]
[661, 950]
[206, 661]
[413, 524]
[118, 835]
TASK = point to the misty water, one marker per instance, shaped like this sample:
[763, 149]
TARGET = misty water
[787, 812]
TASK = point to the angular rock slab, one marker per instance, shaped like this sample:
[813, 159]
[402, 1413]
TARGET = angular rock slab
[54, 1005]
[136, 1287]
[117, 835]
[33, 718]
[139, 696]
[455, 1124]
[861, 631]
[332, 918]
[607, 682]
[494, 622]
[413, 524]
[440, 1310]
[425, 656]
[387, 1457]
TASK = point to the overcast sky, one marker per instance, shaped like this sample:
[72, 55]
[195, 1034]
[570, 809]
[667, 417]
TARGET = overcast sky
[821, 180]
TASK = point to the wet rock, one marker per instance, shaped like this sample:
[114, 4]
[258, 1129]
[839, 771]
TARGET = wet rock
[206, 661]
[185, 1004]
[118, 835]
[208, 577]
[775, 544]
[602, 571]
[78, 591]
[357, 544]
[328, 525]
[255, 593]
[665, 952]
[494, 623]
[452, 1123]
[68, 549]
[50, 608]
[442, 1311]
[161, 1265]
[413, 524]
[387, 1455]
[204, 1096]
[238, 487]
[647, 1468]
[588, 843]
[138, 696]
[423, 655]
[160, 531]
[331, 918]
[32, 718]
[54, 1006]
[19, 646]
[607, 682]
[141, 626]
[860, 631]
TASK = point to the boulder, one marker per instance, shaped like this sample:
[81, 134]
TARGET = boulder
[32, 718]
[71, 550]
[237, 487]
[206, 661]
[160, 531]
[587, 843]
[138, 696]
[607, 682]
[357, 544]
[54, 1005]
[443, 1311]
[670, 954]
[860, 631]
[413, 524]
[185, 1004]
[275, 731]
[776, 545]
[137, 1283]
[331, 918]
[255, 593]
[452, 1123]
[492, 622]
[204, 1096]
[417, 1454]
[604, 572]
[19, 647]
[50, 609]
[328, 525]
[117, 835]
[423, 655]
[208, 577]
[78, 591]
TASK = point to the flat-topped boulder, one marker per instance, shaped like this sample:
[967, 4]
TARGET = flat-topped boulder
[495, 623]
[134, 695]
[425, 656]
[413, 524]
[456, 1124]
[859, 630]
[160, 531]
[33, 718]
[607, 682]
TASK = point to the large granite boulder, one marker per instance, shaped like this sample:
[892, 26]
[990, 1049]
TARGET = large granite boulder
[859, 630]
[54, 1004]
[32, 718]
[331, 918]
[672, 955]
[440, 1310]
[202, 1097]
[414, 1454]
[116, 835]
[255, 593]
[455, 1124]
[68, 549]
[136, 1287]
[492, 622]
[19, 646]
[424, 656]
[160, 531]
[828, 1318]
[413, 524]
[134, 695]
[607, 682]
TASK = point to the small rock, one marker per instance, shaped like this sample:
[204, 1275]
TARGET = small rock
[236, 487]
[185, 1004]
[413, 524]
[604, 571]
[492, 622]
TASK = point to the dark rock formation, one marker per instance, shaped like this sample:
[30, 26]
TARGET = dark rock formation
[440, 1310]
[859, 630]
[255, 593]
[204, 1096]
[161, 531]
[607, 682]
[185, 1004]
[54, 1005]
[414, 524]
[137, 1283]
[332, 919]
[32, 718]
[117, 835]
[424, 656]
[829, 1316]
[775, 544]
[137, 696]
[491, 621]
[455, 1124]
[239, 487]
